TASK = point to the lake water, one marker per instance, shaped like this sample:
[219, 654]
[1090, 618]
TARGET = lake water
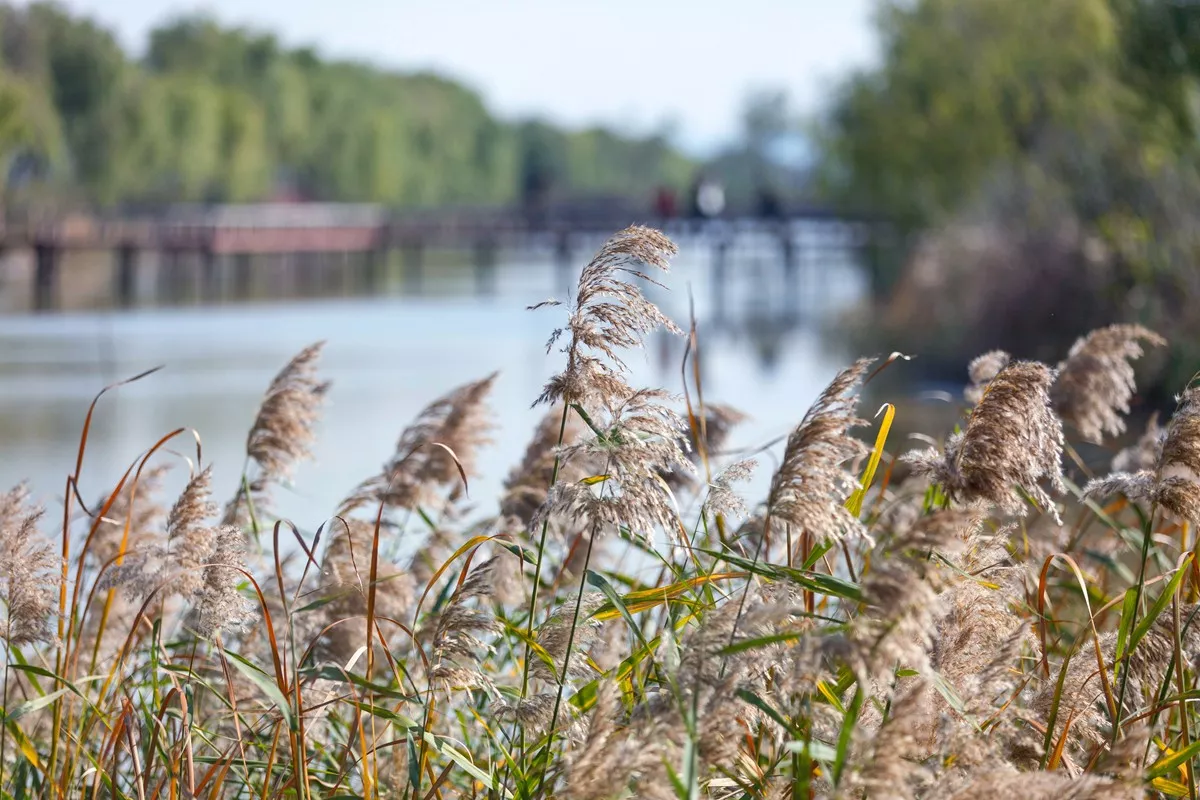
[387, 357]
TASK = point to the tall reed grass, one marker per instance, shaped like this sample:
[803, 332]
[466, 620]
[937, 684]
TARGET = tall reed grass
[961, 621]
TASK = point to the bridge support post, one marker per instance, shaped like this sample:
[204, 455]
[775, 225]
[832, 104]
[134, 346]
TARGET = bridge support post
[333, 275]
[485, 268]
[562, 260]
[308, 274]
[242, 276]
[170, 275]
[414, 265]
[375, 268]
[210, 277]
[791, 276]
[45, 279]
[720, 280]
[127, 257]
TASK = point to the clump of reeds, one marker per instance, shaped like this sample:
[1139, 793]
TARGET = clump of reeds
[603, 629]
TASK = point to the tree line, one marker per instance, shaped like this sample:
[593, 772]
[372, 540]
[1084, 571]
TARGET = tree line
[1041, 161]
[216, 114]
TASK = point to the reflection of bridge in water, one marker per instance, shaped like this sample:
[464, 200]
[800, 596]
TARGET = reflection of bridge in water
[754, 268]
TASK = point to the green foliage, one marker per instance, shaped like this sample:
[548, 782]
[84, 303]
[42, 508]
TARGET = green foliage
[965, 86]
[1044, 153]
[228, 114]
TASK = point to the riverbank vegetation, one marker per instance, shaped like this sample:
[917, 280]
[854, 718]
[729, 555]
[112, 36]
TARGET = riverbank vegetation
[1040, 161]
[974, 613]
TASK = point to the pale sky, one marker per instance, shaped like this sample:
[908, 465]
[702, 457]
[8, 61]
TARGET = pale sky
[628, 63]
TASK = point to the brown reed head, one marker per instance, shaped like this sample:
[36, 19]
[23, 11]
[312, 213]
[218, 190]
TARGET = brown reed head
[1012, 444]
[1096, 381]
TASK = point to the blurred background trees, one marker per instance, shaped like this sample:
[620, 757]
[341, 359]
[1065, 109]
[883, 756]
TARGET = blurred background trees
[218, 114]
[1039, 160]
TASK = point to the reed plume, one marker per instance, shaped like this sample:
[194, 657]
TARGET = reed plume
[1096, 381]
[716, 427]
[809, 489]
[30, 579]
[1013, 442]
[190, 541]
[641, 441]
[722, 497]
[981, 370]
[1173, 483]
[138, 508]
[707, 434]
[345, 584]
[1145, 452]
[283, 431]
[610, 755]
[219, 605]
[890, 768]
[609, 314]
[900, 592]
[423, 467]
[176, 563]
[552, 637]
[457, 647]
[1047, 786]
[527, 484]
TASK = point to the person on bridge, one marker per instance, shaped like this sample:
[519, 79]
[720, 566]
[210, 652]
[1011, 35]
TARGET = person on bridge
[708, 198]
[664, 203]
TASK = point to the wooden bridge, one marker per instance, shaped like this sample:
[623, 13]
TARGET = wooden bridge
[216, 252]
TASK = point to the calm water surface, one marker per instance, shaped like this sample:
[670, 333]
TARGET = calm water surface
[387, 357]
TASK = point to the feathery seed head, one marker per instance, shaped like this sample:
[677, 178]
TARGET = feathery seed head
[219, 606]
[1096, 381]
[1174, 480]
[811, 485]
[1013, 442]
[722, 497]
[610, 314]
[527, 484]
[981, 371]
[422, 467]
[30, 576]
[1145, 452]
[282, 433]
[190, 541]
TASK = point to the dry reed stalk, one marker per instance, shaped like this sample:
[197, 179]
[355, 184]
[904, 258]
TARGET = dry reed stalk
[345, 571]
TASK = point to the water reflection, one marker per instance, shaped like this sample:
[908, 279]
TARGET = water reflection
[387, 358]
